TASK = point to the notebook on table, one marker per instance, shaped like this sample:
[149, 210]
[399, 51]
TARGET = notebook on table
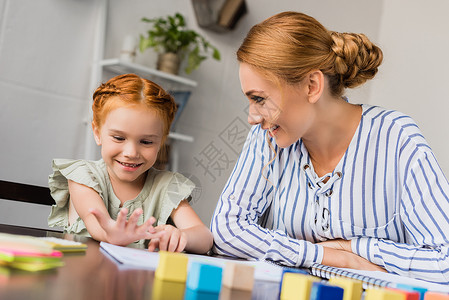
[375, 278]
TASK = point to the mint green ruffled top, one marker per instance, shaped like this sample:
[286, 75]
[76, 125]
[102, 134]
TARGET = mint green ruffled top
[161, 194]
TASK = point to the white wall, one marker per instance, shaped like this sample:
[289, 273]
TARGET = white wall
[414, 77]
[45, 88]
[45, 65]
[217, 108]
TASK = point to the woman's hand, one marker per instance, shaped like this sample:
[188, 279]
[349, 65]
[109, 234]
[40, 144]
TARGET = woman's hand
[123, 232]
[338, 244]
[338, 253]
[171, 239]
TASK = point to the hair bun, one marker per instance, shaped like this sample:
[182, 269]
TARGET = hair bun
[356, 58]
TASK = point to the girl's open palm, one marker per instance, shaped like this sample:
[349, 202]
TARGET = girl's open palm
[123, 232]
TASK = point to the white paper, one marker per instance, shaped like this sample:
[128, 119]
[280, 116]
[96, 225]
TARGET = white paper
[143, 259]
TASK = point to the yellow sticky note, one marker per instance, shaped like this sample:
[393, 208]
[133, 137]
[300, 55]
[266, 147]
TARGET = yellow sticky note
[172, 266]
[353, 288]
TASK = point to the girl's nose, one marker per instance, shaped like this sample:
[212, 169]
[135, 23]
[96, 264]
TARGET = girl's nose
[130, 150]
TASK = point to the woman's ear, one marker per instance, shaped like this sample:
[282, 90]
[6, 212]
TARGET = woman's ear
[315, 85]
[96, 132]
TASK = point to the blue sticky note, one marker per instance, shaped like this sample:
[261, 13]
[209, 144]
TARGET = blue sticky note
[407, 287]
[323, 291]
[204, 278]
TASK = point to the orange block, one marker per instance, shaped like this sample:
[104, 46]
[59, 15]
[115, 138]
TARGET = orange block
[409, 295]
[435, 296]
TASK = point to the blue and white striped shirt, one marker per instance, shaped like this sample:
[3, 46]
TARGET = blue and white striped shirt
[387, 195]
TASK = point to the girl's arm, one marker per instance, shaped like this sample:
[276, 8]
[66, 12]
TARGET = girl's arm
[91, 209]
[190, 233]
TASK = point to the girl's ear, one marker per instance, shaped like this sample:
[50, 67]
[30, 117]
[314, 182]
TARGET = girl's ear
[96, 132]
[315, 84]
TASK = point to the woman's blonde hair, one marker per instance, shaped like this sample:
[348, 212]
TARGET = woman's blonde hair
[286, 47]
[129, 90]
[289, 45]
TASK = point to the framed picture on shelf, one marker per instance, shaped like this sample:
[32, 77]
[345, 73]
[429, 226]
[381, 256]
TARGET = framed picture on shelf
[181, 98]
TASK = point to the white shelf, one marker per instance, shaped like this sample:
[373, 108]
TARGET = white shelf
[120, 67]
[180, 137]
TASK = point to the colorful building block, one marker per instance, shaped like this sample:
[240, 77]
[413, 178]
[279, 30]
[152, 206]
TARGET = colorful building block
[407, 287]
[233, 294]
[435, 296]
[198, 295]
[238, 276]
[409, 295]
[172, 290]
[353, 289]
[382, 294]
[296, 286]
[204, 278]
[172, 266]
[291, 270]
[324, 291]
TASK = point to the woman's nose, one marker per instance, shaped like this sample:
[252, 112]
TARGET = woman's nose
[254, 117]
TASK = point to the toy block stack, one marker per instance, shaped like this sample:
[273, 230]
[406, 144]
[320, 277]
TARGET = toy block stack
[175, 278]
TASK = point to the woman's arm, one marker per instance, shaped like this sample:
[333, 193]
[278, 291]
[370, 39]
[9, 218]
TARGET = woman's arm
[424, 207]
[338, 253]
[91, 209]
[244, 200]
[190, 233]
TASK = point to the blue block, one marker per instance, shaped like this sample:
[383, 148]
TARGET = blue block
[407, 287]
[323, 291]
[197, 295]
[204, 278]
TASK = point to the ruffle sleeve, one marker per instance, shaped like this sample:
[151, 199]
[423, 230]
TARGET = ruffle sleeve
[178, 188]
[80, 171]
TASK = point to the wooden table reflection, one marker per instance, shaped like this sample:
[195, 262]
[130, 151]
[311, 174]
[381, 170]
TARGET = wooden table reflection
[92, 275]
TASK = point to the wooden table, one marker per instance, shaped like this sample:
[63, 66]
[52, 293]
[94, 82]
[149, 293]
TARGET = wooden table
[92, 275]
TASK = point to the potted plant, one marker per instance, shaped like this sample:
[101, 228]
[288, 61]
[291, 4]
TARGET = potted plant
[170, 38]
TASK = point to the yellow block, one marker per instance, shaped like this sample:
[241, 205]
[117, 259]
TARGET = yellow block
[383, 294]
[163, 290]
[353, 288]
[172, 266]
[296, 286]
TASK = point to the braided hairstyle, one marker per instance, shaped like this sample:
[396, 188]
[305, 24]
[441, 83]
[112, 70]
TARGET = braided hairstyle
[289, 45]
[130, 90]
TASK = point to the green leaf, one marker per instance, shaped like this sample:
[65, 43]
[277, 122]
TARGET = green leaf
[169, 34]
[216, 54]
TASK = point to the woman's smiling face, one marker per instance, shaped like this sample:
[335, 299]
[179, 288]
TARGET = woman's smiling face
[282, 109]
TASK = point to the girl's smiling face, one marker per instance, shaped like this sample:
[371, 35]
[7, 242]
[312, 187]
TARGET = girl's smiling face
[130, 140]
[283, 110]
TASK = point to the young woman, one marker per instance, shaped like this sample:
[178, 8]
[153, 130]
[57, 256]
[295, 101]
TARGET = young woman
[321, 180]
[118, 198]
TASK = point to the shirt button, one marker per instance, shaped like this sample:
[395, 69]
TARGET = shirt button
[232, 197]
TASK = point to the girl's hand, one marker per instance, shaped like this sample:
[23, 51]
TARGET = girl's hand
[123, 232]
[171, 239]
